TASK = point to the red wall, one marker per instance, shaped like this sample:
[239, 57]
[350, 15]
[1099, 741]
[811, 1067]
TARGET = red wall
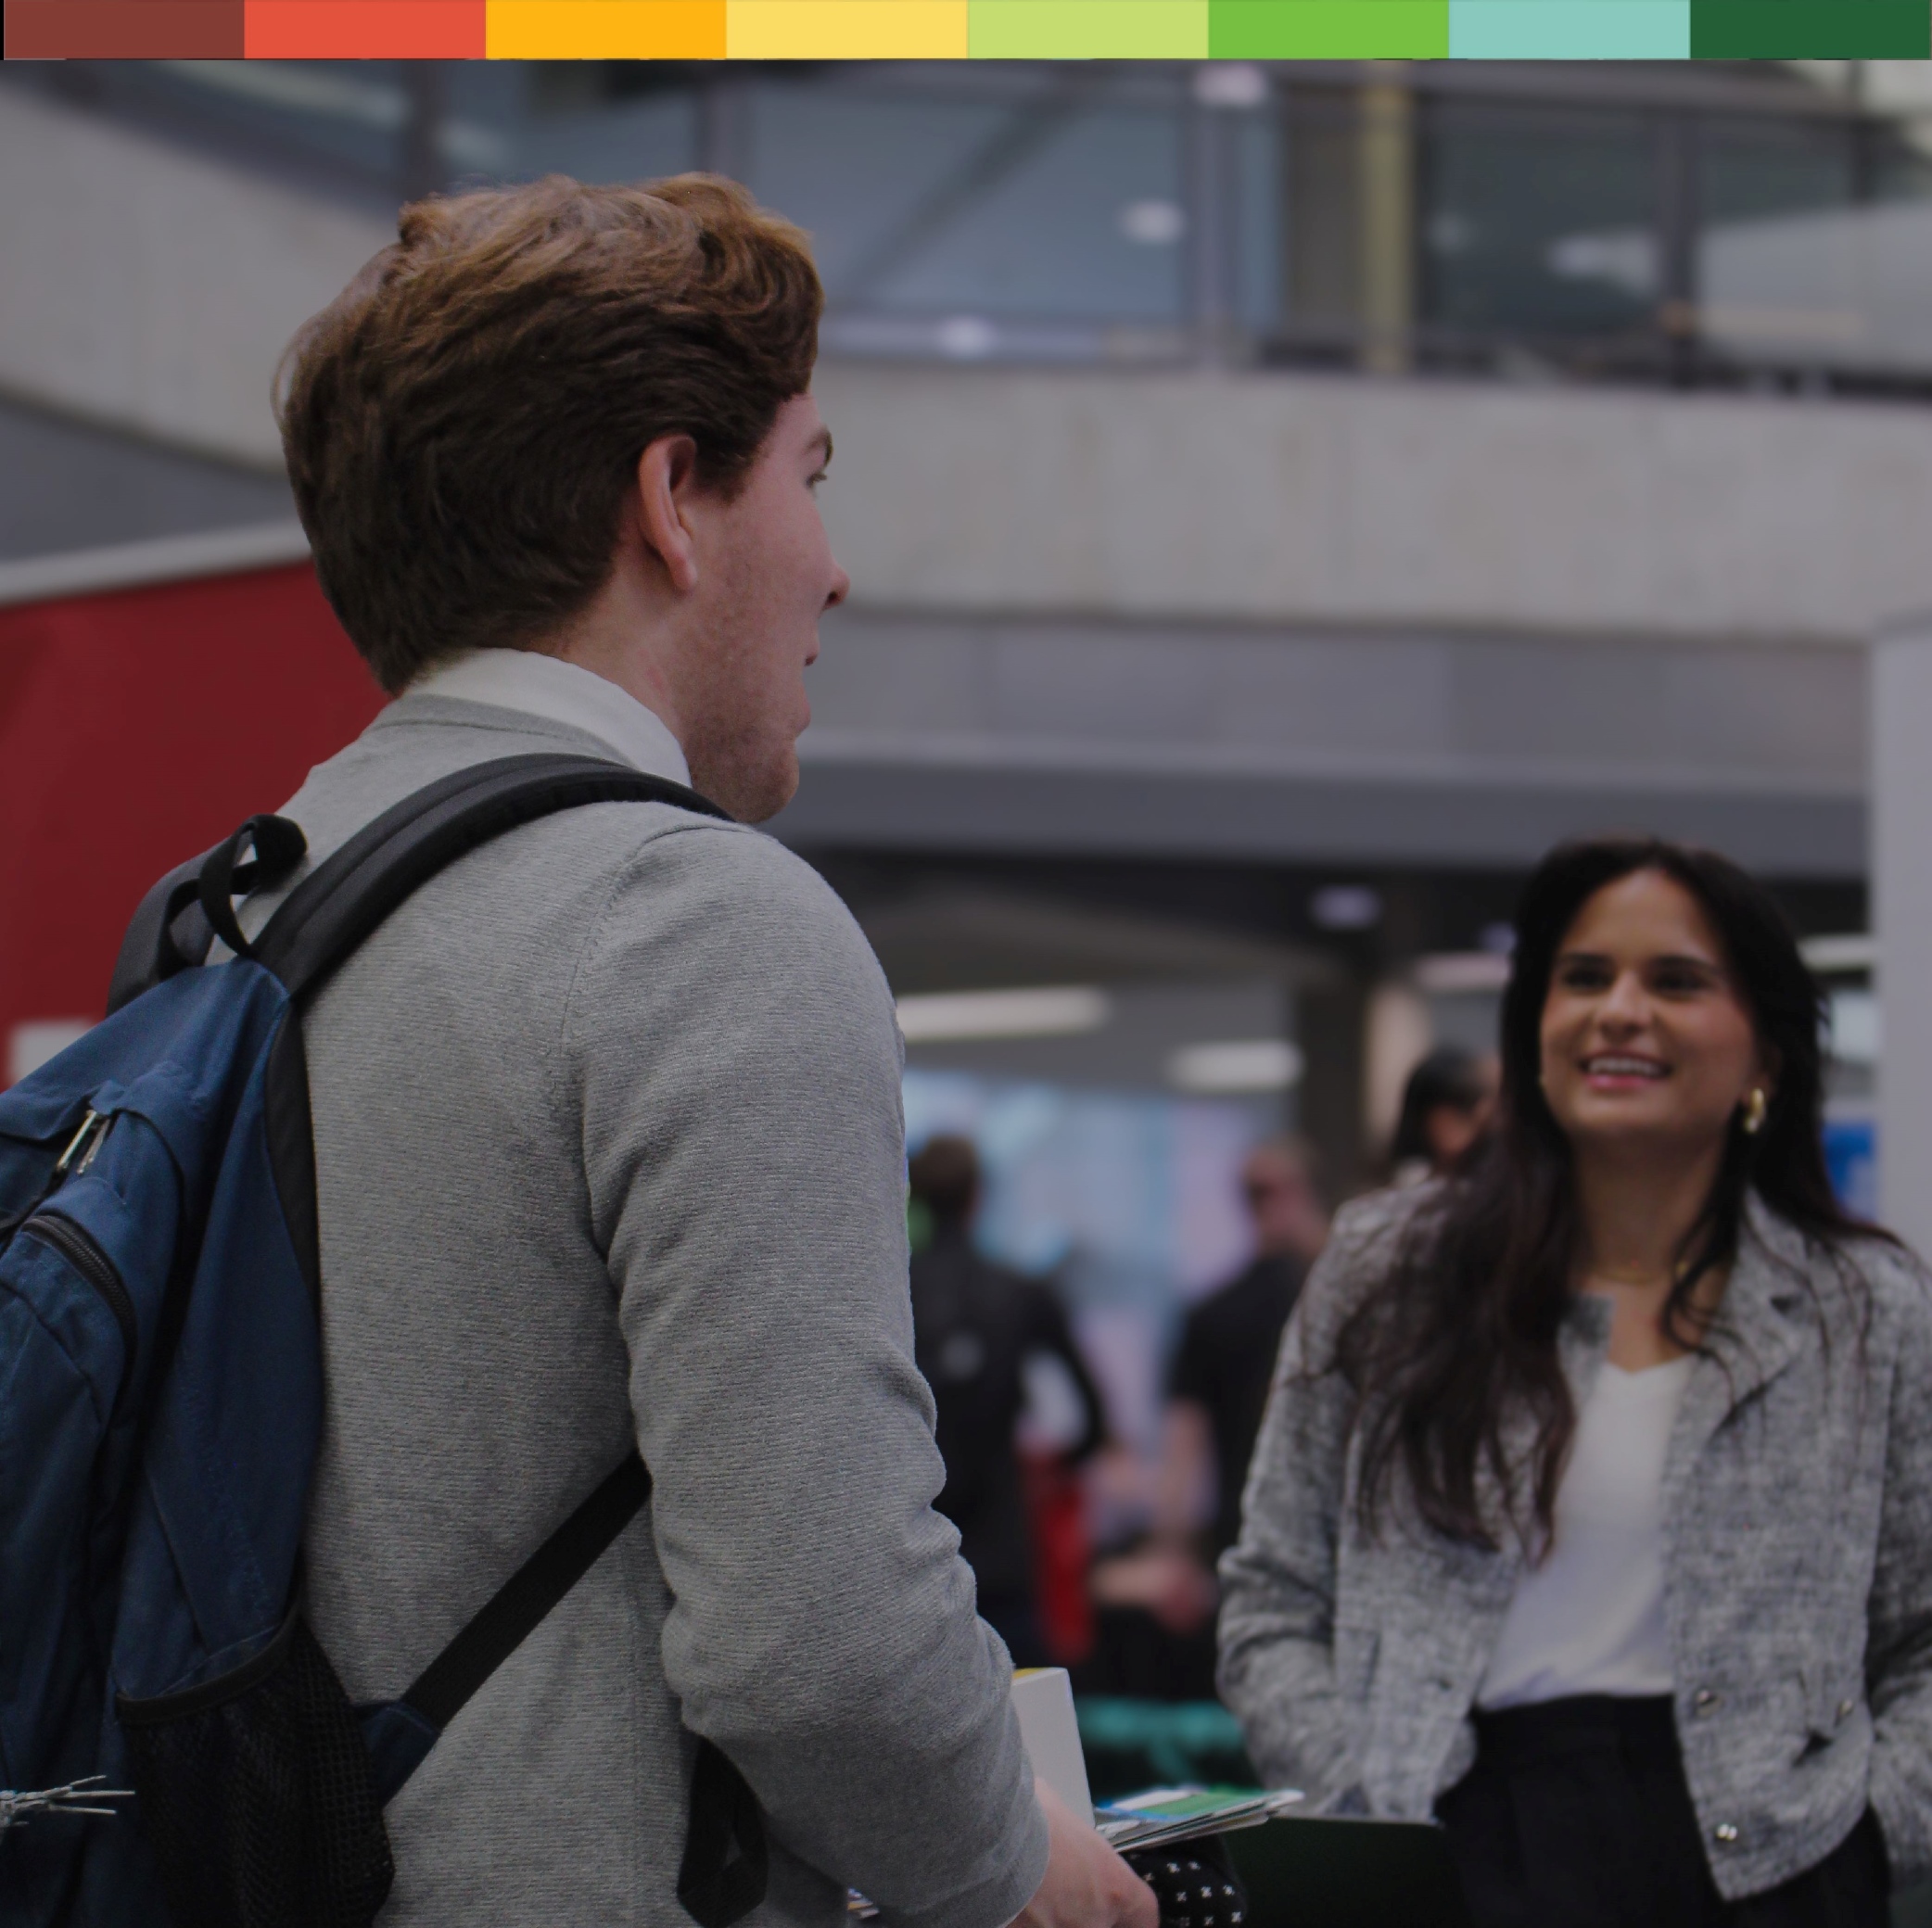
[136, 727]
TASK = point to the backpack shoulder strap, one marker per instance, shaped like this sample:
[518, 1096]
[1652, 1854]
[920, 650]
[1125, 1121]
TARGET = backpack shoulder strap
[327, 916]
[340, 902]
[501, 1624]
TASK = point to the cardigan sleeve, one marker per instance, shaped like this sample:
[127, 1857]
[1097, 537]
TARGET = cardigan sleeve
[1277, 1670]
[1899, 1644]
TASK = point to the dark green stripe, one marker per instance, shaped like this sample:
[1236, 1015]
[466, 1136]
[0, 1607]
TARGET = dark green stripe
[1811, 30]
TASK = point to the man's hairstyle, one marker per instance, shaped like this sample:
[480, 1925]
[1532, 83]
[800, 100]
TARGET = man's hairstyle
[462, 423]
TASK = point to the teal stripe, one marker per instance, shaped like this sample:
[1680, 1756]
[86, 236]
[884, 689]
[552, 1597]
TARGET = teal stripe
[1569, 30]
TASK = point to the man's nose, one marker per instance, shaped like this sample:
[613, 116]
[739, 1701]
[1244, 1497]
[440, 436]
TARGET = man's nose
[840, 588]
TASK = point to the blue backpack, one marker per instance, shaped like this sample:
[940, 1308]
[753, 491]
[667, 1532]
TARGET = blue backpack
[161, 1401]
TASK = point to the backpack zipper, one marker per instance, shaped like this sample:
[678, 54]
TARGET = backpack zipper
[80, 1250]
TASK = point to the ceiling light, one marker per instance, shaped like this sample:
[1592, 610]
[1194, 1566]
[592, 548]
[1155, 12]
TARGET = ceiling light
[1058, 1010]
[1230, 84]
[1855, 951]
[1346, 906]
[1448, 972]
[966, 338]
[1153, 224]
[1236, 1065]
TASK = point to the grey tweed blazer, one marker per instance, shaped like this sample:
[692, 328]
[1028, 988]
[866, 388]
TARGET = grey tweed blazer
[1797, 1506]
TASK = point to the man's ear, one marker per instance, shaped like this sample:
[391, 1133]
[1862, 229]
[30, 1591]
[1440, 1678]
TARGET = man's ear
[667, 473]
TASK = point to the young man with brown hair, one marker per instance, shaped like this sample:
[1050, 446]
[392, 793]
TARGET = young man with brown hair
[606, 1116]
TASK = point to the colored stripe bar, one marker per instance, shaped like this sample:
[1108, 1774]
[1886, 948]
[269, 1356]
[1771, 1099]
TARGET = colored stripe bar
[985, 30]
[846, 30]
[1089, 29]
[1330, 29]
[125, 30]
[1570, 30]
[364, 30]
[1805, 30]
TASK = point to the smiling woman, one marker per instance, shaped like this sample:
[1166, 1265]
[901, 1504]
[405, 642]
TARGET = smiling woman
[1591, 1514]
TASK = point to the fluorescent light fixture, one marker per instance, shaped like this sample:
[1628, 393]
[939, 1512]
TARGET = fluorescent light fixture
[1448, 972]
[1056, 1010]
[1230, 84]
[1235, 1065]
[1153, 224]
[1856, 951]
[966, 337]
[1346, 906]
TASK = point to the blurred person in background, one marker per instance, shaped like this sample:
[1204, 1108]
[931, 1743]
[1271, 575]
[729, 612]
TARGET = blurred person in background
[977, 1328]
[1447, 1105]
[1157, 1599]
[1219, 1386]
[1592, 1510]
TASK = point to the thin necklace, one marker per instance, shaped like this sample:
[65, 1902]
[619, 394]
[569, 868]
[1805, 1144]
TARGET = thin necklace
[1612, 1277]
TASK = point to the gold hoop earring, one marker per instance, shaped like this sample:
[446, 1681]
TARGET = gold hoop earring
[1754, 1106]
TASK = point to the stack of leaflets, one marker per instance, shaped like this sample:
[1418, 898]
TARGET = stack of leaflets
[1164, 1816]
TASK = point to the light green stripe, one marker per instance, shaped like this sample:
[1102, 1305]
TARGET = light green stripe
[1569, 30]
[1087, 30]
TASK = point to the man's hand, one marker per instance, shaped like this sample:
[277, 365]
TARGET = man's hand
[1086, 1885]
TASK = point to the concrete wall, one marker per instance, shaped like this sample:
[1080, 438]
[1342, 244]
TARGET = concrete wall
[1274, 498]
[149, 289]
[1312, 742]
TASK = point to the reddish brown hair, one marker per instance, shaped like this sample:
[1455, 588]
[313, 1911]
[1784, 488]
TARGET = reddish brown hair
[463, 422]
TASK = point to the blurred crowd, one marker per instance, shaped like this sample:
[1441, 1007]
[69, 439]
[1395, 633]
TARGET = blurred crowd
[1130, 1611]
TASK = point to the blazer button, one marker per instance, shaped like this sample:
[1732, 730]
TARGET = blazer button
[1726, 1833]
[1706, 1701]
[1846, 1709]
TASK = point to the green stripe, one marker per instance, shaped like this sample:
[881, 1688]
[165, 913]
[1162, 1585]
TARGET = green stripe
[1811, 30]
[1329, 30]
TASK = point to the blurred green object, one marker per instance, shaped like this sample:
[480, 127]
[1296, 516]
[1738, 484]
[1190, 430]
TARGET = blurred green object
[918, 1223]
[1133, 1745]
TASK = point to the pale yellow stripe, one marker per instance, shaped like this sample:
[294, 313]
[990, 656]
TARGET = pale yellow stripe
[846, 29]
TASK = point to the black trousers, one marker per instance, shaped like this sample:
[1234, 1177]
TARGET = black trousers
[1576, 1813]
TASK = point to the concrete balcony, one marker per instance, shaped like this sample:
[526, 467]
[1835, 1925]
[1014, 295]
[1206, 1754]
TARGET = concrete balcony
[1235, 615]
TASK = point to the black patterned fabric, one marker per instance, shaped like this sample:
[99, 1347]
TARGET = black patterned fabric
[1195, 1883]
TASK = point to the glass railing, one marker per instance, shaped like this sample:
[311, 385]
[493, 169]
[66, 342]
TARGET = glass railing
[1768, 225]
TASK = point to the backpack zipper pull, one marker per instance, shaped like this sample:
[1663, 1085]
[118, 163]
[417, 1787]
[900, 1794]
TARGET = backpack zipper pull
[92, 1125]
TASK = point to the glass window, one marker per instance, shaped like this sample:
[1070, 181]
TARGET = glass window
[1783, 249]
[344, 125]
[1050, 202]
[597, 121]
[1537, 222]
[1255, 220]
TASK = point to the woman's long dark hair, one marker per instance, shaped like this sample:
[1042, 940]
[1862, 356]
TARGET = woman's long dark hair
[1461, 1334]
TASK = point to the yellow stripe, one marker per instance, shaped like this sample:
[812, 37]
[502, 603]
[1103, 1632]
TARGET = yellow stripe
[846, 30]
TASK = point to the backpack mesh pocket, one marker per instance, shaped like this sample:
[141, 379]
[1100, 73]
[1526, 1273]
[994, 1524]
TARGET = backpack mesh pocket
[257, 1796]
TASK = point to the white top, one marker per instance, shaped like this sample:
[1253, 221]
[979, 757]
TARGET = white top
[1590, 1619]
[546, 686]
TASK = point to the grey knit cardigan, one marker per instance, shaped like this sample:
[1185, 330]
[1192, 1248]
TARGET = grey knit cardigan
[1798, 1510]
